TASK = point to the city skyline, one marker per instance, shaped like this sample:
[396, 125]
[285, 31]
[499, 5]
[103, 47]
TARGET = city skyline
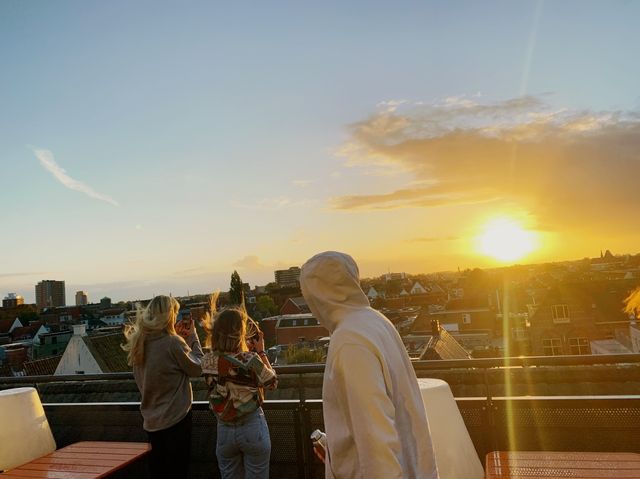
[155, 148]
[117, 295]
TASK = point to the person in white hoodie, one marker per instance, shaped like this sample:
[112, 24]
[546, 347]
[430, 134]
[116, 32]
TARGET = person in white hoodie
[374, 416]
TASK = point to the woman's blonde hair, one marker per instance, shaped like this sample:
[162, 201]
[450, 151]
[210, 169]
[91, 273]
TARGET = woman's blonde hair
[159, 315]
[210, 309]
[632, 303]
[252, 328]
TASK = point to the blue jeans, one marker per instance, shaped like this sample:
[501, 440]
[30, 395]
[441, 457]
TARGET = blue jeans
[243, 449]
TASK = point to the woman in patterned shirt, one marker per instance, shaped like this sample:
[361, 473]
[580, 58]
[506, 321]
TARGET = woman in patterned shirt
[236, 378]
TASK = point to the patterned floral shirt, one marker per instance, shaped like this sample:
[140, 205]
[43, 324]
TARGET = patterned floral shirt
[236, 383]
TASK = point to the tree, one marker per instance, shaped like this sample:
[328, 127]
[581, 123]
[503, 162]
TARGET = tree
[236, 291]
[28, 317]
[266, 305]
[301, 355]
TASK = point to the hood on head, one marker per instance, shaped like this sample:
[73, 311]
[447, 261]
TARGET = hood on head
[330, 285]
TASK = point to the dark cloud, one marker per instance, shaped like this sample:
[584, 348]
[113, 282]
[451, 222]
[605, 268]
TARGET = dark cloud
[564, 167]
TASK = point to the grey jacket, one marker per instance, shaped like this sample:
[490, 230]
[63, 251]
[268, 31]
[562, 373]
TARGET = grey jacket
[163, 379]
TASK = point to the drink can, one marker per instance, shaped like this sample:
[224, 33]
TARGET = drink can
[319, 440]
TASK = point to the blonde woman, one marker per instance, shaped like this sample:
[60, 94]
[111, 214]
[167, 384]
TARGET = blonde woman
[236, 378]
[162, 363]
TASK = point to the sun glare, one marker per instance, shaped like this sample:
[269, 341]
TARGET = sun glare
[505, 240]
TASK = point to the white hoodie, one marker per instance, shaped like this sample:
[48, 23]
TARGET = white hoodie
[373, 413]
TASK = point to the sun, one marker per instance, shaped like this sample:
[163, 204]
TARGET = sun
[506, 240]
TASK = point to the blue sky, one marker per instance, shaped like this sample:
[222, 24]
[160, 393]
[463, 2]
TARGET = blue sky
[217, 129]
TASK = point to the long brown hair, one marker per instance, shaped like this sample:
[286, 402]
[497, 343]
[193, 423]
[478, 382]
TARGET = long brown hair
[229, 331]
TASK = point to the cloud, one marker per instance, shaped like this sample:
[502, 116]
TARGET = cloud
[562, 166]
[198, 270]
[249, 262]
[273, 204]
[390, 105]
[264, 204]
[301, 183]
[12, 275]
[49, 163]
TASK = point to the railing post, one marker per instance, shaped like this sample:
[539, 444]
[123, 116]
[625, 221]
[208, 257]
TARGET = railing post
[302, 426]
[301, 394]
[489, 413]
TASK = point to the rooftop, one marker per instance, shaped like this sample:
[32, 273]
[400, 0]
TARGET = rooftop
[548, 403]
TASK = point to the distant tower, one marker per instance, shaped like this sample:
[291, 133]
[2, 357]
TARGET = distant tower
[288, 277]
[12, 300]
[82, 299]
[50, 294]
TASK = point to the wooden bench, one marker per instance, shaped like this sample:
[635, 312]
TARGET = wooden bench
[532, 464]
[82, 460]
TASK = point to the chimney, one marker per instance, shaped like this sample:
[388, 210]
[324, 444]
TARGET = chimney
[16, 356]
[435, 327]
[79, 330]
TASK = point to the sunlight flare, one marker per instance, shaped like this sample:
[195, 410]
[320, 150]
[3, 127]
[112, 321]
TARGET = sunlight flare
[506, 240]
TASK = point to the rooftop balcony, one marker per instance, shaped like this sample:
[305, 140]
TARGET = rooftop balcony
[571, 403]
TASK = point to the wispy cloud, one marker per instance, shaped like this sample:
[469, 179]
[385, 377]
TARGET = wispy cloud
[390, 105]
[198, 270]
[272, 204]
[301, 183]
[264, 204]
[564, 167]
[12, 275]
[48, 162]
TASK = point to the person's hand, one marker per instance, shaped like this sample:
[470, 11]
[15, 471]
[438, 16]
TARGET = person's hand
[256, 342]
[252, 344]
[319, 452]
[259, 342]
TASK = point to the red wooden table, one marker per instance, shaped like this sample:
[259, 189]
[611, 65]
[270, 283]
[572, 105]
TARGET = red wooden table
[82, 460]
[521, 464]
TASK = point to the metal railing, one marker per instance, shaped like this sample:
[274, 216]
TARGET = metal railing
[419, 366]
[604, 423]
[536, 376]
[495, 418]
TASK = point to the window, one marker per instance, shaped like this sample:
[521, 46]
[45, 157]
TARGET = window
[579, 346]
[560, 313]
[552, 347]
[519, 334]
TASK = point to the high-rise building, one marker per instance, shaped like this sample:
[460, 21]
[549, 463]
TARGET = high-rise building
[50, 293]
[12, 300]
[288, 277]
[82, 299]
